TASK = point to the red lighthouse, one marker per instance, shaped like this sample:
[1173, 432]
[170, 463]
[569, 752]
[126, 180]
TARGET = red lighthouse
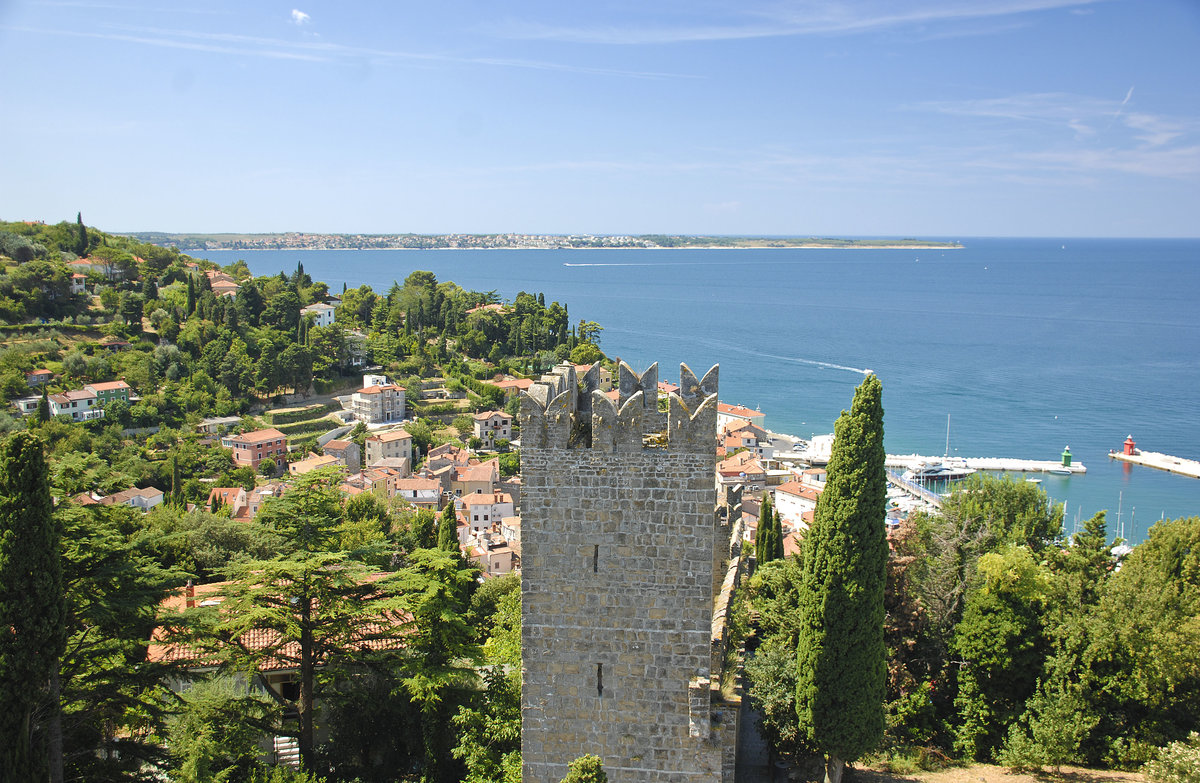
[1130, 446]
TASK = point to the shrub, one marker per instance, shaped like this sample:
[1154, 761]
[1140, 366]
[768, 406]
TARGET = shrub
[1178, 762]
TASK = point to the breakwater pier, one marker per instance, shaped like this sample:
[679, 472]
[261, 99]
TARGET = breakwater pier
[1006, 464]
[1152, 459]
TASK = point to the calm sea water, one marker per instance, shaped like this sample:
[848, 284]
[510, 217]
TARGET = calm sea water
[1028, 346]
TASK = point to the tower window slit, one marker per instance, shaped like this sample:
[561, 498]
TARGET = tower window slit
[599, 679]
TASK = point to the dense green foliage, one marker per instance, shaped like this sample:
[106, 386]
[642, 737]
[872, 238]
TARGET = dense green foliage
[586, 769]
[840, 653]
[1010, 643]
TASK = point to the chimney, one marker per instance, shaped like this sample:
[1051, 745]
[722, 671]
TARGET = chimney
[190, 593]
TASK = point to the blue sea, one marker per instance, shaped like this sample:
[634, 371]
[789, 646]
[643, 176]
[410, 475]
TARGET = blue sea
[1026, 346]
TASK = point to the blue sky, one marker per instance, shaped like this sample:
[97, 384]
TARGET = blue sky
[806, 117]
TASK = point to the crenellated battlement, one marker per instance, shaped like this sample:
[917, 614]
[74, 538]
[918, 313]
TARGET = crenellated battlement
[564, 411]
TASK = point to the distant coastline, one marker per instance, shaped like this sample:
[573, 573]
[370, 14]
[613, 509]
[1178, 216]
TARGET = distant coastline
[311, 241]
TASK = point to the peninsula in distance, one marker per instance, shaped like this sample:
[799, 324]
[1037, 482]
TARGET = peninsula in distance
[313, 241]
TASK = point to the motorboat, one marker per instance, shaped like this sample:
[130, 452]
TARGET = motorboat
[923, 472]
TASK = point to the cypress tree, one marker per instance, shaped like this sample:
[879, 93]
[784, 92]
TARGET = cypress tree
[43, 408]
[841, 656]
[776, 552]
[176, 484]
[191, 295]
[81, 244]
[768, 539]
[447, 537]
[32, 607]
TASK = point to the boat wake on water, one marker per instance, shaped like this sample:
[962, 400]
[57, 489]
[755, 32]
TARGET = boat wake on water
[743, 350]
[813, 363]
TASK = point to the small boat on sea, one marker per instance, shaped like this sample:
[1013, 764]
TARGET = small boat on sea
[945, 469]
[923, 472]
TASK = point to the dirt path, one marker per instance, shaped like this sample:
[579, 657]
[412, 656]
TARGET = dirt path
[987, 773]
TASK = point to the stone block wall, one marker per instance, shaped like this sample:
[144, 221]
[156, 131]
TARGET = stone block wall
[619, 539]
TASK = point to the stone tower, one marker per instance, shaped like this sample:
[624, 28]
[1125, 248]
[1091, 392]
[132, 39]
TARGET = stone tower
[619, 540]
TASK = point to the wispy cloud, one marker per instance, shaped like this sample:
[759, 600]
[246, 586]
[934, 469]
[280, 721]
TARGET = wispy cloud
[1175, 163]
[788, 18]
[299, 17]
[1154, 131]
[1046, 107]
[235, 45]
[320, 51]
[883, 167]
[1086, 117]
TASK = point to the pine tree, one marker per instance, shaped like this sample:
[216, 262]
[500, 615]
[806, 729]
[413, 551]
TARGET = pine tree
[840, 655]
[32, 608]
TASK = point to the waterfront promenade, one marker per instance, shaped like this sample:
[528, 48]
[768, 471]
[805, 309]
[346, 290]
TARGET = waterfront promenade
[1006, 464]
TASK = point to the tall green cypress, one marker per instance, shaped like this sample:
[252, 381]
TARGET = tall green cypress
[841, 655]
[32, 607]
[776, 552]
[768, 539]
[176, 484]
[43, 409]
[447, 537]
[81, 242]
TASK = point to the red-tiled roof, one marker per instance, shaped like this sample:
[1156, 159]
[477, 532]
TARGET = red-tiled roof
[126, 495]
[488, 499]
[737, 410]
[260, 436]
[799, 490]
[418, 484]
[287, 655]
[390, 437]
[380, 389]
[109, 385]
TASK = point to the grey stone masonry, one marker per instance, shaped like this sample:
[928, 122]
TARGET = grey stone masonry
[619, 536]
